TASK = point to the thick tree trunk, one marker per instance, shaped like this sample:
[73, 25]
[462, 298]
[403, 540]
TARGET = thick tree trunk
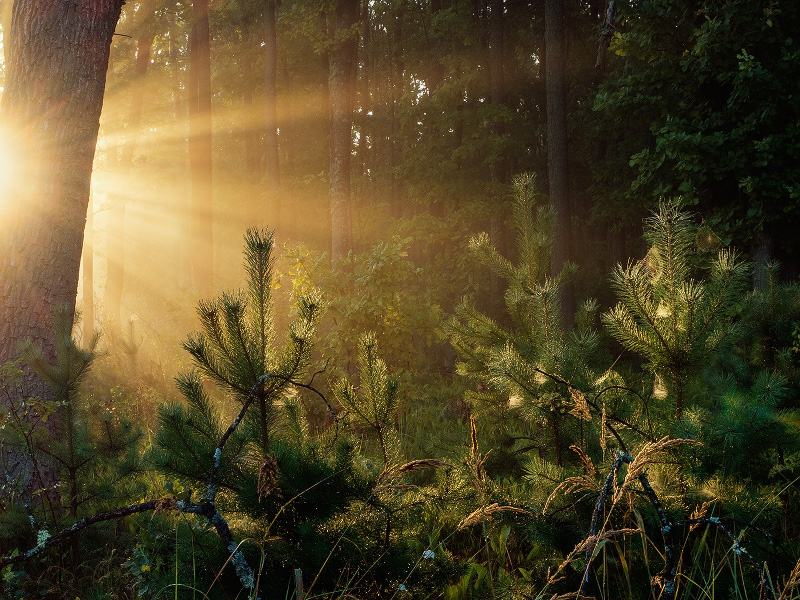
[557, 165]
[343, 55]
[271, 114]
[202, 243]
[52, 100]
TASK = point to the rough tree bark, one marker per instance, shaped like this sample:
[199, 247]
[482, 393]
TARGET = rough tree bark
[52, 99]
[200, 148]
[557, 164]
[343, 55]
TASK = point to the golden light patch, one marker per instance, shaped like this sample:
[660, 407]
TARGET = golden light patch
[9, 165]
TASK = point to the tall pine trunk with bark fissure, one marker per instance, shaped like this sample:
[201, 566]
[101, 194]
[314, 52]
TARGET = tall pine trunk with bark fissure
[51, 103]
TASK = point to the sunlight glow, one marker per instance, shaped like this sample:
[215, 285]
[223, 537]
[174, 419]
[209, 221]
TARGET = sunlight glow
[9, 166]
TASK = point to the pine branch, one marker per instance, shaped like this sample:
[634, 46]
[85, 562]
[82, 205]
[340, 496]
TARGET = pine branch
[46, 541]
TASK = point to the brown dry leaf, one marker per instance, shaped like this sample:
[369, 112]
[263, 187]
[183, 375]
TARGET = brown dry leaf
[167, 504]
[268, 478]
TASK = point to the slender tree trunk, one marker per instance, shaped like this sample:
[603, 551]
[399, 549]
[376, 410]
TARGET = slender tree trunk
[271, 114]
[202, 241]
[497, 77]
[288, 120]
[341, 82]
[606, 33]
[498, 169]
[396, 90]
[115, 251]
[52, 101]
[365, 102]
[325, 88]
[557, 165]
[183, 208]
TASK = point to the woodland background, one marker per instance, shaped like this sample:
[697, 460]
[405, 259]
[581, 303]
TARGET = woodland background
[534, 411]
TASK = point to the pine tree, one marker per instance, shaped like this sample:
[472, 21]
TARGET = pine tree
[523, 361]
[270, 459]
[96, 457]
[666, 315]
[376, 405]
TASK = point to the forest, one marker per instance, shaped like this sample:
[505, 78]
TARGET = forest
[385, 299]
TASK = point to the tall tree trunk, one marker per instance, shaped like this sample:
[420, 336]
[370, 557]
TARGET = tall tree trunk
[606, 33]
[341, 82]
[183, 208]
[271, 114]
[288, 120]
[52, 100]
[5, 25]
[396, 67]
[88, 274]
[499, 168]
[497, 78]
[115, 251]
[557, 165]
[202, 241]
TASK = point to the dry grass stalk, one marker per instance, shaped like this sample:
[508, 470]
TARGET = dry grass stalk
[485, 514]
[572, 596]
[585, 460]
[394, 487]
[581, 408]
[473, 434]
[572, 484]
[423, 463]
[603, 431]
[792, 583]
[589, 544]
[652, 453]
[415, 465]
[699, 512]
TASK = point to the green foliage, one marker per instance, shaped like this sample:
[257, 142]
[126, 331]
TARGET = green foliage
[517, 361]
[665, 315]
[698, 104]
[381, 291]
[376, 406]
[96, 453]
